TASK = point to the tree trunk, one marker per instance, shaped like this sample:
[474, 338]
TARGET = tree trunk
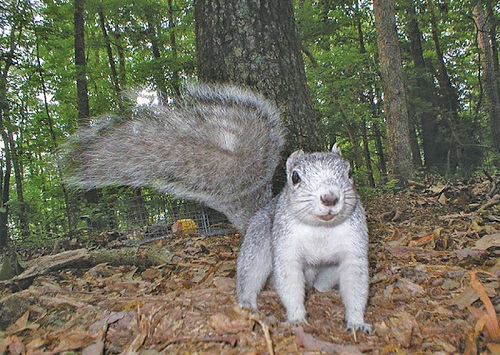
[352, 132]
[254, 43]
[18, 176]
[81, 78]
[367, 154]
[364, 130]
[449, 93]
[395, 104]
[114, 73]
[81, 64]
[375, 100]
[8, 58]
[158, 69]
[434, 152]
[7, 172]
[492, 24]
[489, 75]
[175, 81]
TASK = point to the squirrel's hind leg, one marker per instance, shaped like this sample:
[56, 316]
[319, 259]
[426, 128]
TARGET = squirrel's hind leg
[254, 264]
[252, 275]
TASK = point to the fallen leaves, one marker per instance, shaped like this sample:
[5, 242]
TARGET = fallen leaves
[425, 242]
[485, 318]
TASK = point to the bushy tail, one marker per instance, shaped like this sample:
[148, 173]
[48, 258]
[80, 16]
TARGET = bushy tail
[219, 146]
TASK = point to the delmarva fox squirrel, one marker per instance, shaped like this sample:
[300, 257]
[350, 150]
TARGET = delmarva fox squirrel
[221, 146]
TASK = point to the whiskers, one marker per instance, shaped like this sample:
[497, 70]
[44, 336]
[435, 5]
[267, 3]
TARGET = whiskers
[307, 204]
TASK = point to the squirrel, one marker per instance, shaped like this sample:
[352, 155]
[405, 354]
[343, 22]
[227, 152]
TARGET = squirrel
[220, 145]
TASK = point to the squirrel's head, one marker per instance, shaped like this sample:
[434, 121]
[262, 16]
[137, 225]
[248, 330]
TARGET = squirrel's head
[319, 187]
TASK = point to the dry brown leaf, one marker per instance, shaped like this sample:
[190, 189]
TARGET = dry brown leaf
[465, 298]
[428, 239]
[75, 340]
[20, 324]
[494, 348]
[442, 199]
[490, 318]
[16, 346]
[446, 346]
[488, 241]
[405, 329]
[223, 324]
[34, 345]
[437, 189]
[224, 284]
[406, 286]
[310, 343]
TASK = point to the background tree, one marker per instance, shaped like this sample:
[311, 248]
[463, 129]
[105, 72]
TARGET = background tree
[423, 95]
[490, 75]
[395, 104]
[153, 49]
[254, 43]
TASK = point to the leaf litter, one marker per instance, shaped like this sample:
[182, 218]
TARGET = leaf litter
[434, 262]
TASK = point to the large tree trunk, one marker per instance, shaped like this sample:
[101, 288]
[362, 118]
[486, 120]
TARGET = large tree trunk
[254, 43]
[489, 75]
[395, 104]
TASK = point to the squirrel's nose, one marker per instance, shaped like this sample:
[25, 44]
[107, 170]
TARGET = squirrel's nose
[329, 200]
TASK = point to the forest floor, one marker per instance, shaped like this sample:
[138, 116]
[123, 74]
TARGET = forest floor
[434, 263]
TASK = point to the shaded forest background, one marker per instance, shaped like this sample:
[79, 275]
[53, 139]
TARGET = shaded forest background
[133, 53]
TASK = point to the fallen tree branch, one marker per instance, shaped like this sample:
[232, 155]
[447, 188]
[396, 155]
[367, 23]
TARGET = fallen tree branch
[135, 255]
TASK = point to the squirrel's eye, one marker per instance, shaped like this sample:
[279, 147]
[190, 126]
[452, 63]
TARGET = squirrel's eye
[295, 177]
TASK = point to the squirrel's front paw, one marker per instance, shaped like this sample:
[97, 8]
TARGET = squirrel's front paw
[297, 317]
[248, 305]
[365, 327]
[296, 323]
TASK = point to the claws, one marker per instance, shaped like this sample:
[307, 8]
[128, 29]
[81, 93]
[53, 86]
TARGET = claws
[296, 323]
[365, 327]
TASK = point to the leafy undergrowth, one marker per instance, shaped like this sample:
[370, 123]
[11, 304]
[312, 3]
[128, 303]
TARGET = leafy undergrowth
[434, 289]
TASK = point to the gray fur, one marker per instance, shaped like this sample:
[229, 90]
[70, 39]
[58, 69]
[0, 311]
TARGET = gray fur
[289, 242]
[219, 146]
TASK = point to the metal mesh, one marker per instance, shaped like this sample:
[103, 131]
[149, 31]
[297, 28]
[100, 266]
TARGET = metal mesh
[158, 213]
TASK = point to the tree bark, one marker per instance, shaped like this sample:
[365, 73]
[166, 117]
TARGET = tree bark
[489, 75]
[364, 129]
[6, 171]
[434, 152]
[175, 81]
[81, 78]
[367, 154]
[114, 73]
[254, 43]
[81, 63]
[158, 69]
[395, 102]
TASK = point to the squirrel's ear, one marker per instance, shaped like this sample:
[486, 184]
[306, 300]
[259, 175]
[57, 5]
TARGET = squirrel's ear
[336, 149]
[290, 162]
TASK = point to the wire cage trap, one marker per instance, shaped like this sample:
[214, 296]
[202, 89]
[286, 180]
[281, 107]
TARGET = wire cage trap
[160, 215]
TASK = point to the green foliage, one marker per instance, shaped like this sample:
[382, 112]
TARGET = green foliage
[38, 98]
